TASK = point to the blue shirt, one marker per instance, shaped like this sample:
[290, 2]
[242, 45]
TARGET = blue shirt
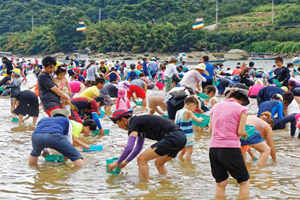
[153, 66]
[273, 106]
[53, 125]
[145, 69]
[132, 75]
[210, 69]
[266, 93]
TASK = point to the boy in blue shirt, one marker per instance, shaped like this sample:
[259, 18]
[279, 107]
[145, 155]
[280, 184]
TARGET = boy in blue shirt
[56, 133]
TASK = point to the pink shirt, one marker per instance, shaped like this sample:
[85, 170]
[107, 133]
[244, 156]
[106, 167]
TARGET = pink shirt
[75, 86]
[255, 89]
[225, 119]
[121, 104]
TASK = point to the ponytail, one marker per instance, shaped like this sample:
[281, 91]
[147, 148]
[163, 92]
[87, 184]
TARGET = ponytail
[266, 116]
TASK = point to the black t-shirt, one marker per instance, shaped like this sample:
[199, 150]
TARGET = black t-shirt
[282, 74]
[9, 66]
[49, 99]
[151, 126]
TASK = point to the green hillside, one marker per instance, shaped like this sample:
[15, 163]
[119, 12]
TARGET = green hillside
[126, 25]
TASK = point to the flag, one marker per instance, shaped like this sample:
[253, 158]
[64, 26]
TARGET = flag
[81, 26]
[198, 25]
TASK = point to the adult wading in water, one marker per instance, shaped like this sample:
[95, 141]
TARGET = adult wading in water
[170, 140]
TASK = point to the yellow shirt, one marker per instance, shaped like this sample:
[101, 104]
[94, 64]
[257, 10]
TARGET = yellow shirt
[89, 92]
[76, 128]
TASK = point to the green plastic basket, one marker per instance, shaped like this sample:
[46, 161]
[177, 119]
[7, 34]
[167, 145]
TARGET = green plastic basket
[14, 119]
[203, 96]
[115, 171]
[277, 83]
[139, 103]
[2, 89]
[216, 83]
[96, 132]
[205, 121]
[166, 116]
[250, 130]
[55, 157]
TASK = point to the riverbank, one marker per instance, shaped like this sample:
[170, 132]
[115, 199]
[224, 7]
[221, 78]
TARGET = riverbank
[234, 54]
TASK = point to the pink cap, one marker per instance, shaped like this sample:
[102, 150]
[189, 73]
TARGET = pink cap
[121, 92]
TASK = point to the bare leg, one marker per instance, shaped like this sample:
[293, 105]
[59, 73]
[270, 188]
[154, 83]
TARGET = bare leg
[34, 120]
[244, 189]
[107, 109]
[181, 153]
[251, 154]
[264, 150]
[189, 152]
[160, 164]
[78, 163]
[33, 160]
[148, 154]
[20, 120]
[144, 103]
[221, 188]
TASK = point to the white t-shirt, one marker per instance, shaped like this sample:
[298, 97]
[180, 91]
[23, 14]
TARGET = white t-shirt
[293, 107]
[171, 70]
[191, 79]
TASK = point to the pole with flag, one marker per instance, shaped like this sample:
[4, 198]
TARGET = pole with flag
[81, 26]
[198, 24]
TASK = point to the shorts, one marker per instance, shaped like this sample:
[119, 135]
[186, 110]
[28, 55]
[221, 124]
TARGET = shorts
[253, 139]
[49, 110]
[190, 141]
[139, 92]
[107, 99]
[224, 160]
[155, 101]
[54, 141]
[171, 144]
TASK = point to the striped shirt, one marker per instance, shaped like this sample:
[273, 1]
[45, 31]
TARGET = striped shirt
[185, 125]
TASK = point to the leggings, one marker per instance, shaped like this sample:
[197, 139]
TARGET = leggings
[280, 123]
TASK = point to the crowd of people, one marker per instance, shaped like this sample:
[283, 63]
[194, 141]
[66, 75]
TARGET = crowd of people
[73, 96]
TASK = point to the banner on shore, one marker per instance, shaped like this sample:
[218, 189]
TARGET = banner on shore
[81, 26]
[198, 24]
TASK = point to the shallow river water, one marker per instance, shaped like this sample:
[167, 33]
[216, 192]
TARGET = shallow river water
[279, 180]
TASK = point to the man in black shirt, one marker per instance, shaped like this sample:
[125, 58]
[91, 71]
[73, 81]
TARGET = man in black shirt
[50, 94]
[282, 73]
[171, 139]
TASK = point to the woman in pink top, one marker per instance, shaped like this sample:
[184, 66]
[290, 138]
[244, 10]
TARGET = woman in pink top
[225, 154]
[76, 87]
[253, 92]
[122, 102]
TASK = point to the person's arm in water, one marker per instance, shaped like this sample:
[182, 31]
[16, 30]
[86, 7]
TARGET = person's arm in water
[59, 93]
[97, 121]
[128, 150]
[80, 143]
[189, 114]
[270, 142]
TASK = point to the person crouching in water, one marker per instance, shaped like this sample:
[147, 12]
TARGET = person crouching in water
[228, 121]
[170, 140]
[55, 133]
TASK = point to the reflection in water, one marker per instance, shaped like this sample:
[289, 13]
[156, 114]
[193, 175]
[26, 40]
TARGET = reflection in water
[279, 180]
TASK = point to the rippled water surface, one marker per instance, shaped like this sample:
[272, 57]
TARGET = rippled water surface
[279, 180]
